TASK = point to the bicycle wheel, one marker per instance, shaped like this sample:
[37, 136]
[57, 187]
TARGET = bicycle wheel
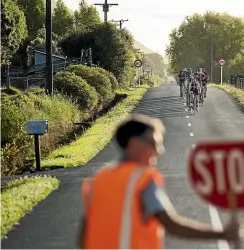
[194, 104]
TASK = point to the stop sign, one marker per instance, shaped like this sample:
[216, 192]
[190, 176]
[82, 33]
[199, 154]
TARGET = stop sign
[217, 169]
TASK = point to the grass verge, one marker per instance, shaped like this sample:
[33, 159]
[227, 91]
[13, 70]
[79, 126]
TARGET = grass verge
[238, 94]
[97, 136]
[20, 196]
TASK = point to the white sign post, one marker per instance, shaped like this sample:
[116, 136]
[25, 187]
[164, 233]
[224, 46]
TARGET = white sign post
[221, 63]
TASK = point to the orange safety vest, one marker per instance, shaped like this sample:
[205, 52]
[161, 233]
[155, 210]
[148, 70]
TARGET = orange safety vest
[113, 209]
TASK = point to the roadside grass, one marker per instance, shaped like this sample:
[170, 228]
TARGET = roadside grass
[97, 136]
[238, 94]
[20, 196]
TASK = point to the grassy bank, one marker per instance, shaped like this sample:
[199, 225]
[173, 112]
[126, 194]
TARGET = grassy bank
[20, 196]
[238, 94]
[95, 138]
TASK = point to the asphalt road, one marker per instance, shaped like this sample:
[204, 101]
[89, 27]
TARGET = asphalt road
[53, 223]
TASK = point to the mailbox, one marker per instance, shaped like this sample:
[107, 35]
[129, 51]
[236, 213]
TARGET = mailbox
[37, 127]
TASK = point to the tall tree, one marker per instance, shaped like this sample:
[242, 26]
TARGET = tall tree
[13, 29]
[86, 16]
[190, 43]
[62, 19]
[39, 43]
[35, 15]
[112, 48]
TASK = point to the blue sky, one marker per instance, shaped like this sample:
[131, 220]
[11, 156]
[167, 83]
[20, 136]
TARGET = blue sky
[151, 21]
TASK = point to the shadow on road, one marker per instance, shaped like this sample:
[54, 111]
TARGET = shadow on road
[172, 106]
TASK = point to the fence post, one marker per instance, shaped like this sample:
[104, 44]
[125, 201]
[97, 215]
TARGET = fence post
[7, 77]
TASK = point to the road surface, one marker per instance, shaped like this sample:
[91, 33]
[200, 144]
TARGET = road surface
[53, 223]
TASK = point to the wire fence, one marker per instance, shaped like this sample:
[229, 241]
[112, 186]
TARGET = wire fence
[27, 82]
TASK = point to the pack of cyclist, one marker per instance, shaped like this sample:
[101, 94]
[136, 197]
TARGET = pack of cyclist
[193, 86]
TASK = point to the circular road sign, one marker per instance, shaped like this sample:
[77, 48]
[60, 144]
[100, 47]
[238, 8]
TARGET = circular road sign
[216, 171]
[221, 62]
[138, 63]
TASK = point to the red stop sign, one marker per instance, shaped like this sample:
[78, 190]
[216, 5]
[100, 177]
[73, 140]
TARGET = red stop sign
[216, 169]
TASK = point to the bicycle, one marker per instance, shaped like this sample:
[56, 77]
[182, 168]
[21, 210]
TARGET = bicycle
[193, 99]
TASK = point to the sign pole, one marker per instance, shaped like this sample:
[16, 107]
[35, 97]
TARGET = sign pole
[139, 79]
[221, 74]
[234, 216]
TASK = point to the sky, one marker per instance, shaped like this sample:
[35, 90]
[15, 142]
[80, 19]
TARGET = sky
[151, 21]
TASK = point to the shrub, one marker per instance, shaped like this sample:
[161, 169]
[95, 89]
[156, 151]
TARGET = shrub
[77, 89]
[113, 80]
[99, 81]
[17, 146]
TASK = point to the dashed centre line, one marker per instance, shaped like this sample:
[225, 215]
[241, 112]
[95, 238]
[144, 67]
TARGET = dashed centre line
[189, 124]
[187, 117]
[191, 134]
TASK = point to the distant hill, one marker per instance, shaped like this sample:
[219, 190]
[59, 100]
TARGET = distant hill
[143, 48]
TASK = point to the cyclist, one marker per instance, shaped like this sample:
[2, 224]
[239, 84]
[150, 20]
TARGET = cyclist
[182, 79]
[195, 87]
[205, 82]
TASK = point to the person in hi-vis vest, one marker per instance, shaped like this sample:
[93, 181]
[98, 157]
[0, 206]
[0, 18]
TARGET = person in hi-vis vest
[125, 204]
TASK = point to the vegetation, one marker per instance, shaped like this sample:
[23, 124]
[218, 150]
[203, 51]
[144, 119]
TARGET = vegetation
[94, 139]
[77, 89]
[190, 43]
[17, 108]
[62, 19]
[34, 11]
[13, 29]
[111, 47]
[20, 196]
[101, 82]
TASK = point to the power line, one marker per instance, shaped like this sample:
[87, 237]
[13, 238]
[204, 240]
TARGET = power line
[121, 21]
[106, 6]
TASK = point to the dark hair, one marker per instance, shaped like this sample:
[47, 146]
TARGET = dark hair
[135, 126]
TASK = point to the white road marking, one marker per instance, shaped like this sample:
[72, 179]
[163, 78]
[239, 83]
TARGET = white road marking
[189, 124]
[191, 134]
[217, 225]
[185, 104]
[186, 109]
[194, 145]
[187, 116]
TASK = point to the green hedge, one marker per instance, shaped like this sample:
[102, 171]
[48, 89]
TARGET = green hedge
[77, 89]
[94, 78]
[112, 78]
[17, 146]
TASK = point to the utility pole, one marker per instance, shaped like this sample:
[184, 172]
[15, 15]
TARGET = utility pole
[106, 8]
[49, 52]
[121, 21]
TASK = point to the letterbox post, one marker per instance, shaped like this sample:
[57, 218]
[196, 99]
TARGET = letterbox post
[37, 152]
[37, 128]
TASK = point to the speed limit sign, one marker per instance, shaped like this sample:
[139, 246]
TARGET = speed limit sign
[221, 61]
[138, 63]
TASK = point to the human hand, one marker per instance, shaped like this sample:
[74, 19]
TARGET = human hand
[232, 231]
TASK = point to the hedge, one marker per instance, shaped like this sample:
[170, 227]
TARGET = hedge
[112, 78]
[94, 78]
[77, 89]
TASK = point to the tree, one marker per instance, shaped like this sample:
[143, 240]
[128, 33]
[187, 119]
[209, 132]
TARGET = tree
[39, 43]
[190, 43]
[156, 61]
[13, 30]
[112, 48]
[62, 19]
[35, 15]
[86, 16]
